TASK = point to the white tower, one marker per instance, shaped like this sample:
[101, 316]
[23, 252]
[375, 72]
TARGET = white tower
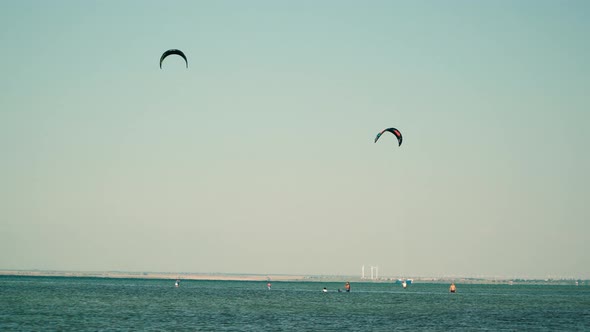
[374, 272]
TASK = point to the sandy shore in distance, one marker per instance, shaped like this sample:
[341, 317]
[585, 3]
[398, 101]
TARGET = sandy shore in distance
[154, 275]
[273, 277]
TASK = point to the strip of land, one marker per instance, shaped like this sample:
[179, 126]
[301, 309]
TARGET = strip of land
[281, 277]
[153, 275]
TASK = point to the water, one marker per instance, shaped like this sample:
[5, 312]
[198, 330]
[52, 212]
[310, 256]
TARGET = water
[94, 304]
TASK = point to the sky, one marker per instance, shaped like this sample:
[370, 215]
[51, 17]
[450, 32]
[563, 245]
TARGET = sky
[259, 158]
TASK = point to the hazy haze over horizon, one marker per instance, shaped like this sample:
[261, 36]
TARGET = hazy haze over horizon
[260, 159]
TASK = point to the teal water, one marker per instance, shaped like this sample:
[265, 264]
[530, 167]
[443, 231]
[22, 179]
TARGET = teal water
[95, 304]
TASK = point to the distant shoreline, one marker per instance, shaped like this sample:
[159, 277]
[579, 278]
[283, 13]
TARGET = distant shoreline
[279, 277]
[152, 275]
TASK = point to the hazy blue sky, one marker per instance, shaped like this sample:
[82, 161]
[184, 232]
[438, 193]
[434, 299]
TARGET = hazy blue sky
[260, 157]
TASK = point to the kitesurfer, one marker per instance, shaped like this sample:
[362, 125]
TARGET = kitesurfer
[347, 287]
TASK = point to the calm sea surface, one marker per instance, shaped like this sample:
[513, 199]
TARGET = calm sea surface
[94, 304]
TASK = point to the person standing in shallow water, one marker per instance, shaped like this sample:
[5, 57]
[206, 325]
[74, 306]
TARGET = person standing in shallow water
[452, 289]
[347, 287]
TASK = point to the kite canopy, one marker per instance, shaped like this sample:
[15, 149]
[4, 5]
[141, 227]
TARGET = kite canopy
[170, 52]
[393, 131]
